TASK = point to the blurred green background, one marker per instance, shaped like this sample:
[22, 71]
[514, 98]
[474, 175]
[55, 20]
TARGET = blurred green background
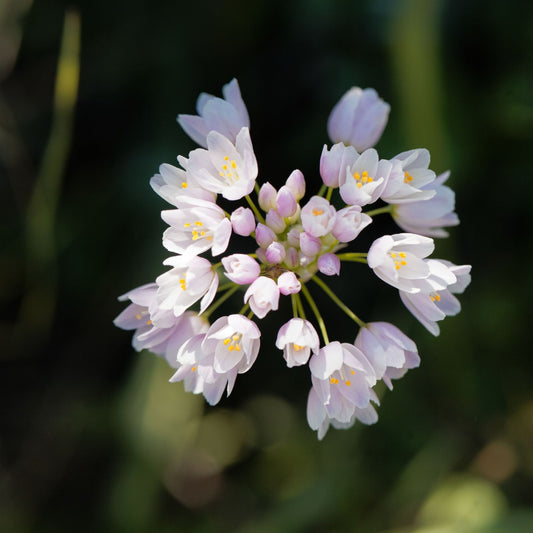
[92, 435]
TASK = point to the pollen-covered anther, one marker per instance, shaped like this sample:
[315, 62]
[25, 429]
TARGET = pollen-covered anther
[408, 178]
[184, 185]
[435, 297]
[230, 177]
[398, 263]
[334, 381]
[317, 212]
[362, 179]
[348, 383]
[297, 347]
[232, 343]
[183, 284]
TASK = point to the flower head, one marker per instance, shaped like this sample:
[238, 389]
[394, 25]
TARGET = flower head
[297, 338]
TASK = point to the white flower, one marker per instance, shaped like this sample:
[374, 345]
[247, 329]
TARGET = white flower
[342, 383]
[225, 168]
[429, 217]
[436, 301]
[190, 279]
[173, 183]
[390, 351]
[333, 163]
[263, 296]
[318, 216]
[198, 374]
[398, 259]
[226, 117]
[363, 182]
[297, 338]
[358, 119]
[349, 223]
[234, 341]
[196, 226]
[409, 173]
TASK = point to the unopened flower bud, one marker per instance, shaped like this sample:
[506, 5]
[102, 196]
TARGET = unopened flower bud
[358, 119]
[335, 162]
[329, 264]
[264, 235]
[275, 253]
[291, 259]
[286, 202]
[296, 183]
[275, 222]
[288, 283]
[309, 245]
[241, 268]
[243, 221]
[267, 197]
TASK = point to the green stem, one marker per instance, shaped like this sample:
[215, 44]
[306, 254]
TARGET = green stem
[355, 257]
[379, 211]
[244, 308]
[294, 306]
[322, 190]
[329, 193]
[250, 315]
[258, 215]
[226, 286]
[220, 301]
[318, 316]
[336, 299]
[256, 188]
[301, 309]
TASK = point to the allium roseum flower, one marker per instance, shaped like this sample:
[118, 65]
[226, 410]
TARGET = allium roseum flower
[358, 119]
[226, 116]
[436, 301]
[299, 244]
[429, 217]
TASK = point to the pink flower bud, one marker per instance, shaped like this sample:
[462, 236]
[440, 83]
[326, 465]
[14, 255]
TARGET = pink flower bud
[288, 283]
[267, 197]
[264, 235]
[286, 202]
[349, 222]
[291, 259]
[329, 264]
[309, 245]
[243, 221]
[275, 222]
[296, 183]
[241, 268]
[275, 253]
[358, 119]
[293, 236]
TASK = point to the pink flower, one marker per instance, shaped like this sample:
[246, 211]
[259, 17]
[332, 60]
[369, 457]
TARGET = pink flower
[288, 283]
[329, 264]
[263, 296]
[297, 338]
[241, 268]
[390, 351]
[226, 117]
[349, 223]
[318, 216]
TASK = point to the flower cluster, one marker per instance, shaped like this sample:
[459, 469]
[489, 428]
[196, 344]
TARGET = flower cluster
[298, 240]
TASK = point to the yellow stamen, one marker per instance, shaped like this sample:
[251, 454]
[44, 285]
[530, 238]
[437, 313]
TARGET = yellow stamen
[193, 369]
[184, 185]
[348, 382]
[317, 212]
[149, 323]
[138, 316]
[297, 347]
[408, 178]
[226, 341]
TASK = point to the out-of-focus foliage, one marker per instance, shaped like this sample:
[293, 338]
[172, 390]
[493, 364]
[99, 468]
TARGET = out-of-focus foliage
[92, 435]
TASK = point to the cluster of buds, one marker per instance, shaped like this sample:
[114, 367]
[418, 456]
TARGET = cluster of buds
[297, 241]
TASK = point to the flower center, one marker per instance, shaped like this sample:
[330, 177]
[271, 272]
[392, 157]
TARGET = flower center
[232, 343]
[297, 347]
[399, 259]
[229, 171]
[435, 297]
[141, 315]
[183, 284]
[197, 230]
[335, 380]
[362, 179]
[408, 178]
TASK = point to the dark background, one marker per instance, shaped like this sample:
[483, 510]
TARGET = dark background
[92, 435]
